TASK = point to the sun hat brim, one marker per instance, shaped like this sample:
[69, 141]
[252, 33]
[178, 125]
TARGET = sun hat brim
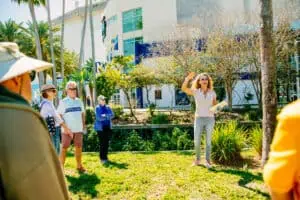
[15, 67]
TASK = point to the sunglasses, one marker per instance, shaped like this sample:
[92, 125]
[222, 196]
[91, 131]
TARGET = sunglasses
[32, 75]
[203, 79]
[52, 90]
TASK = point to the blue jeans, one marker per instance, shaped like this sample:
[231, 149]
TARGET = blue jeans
[56, 139]
[201, 124]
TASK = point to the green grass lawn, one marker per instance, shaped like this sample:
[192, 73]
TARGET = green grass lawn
[160, 175]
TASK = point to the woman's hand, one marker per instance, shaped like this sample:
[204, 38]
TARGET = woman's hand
[190, 76]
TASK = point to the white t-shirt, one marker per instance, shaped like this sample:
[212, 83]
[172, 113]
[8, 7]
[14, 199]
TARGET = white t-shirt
[71, 110]
[204, 102]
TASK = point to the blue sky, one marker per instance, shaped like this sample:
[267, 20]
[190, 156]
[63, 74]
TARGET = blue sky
[20, 13]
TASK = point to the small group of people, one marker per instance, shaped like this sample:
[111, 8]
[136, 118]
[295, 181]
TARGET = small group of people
[70, 117]
[29, 165]
[29, 141]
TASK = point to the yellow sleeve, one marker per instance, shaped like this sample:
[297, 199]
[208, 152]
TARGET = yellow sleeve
[281, 168]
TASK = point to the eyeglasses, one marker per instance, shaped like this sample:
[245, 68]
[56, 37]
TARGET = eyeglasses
[73, 89]
[32, 75]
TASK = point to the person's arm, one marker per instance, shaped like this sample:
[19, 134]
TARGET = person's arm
[83, 115]
[110, 113]
[281, 168]
[60, 111]
[185, 87]
[215, 102]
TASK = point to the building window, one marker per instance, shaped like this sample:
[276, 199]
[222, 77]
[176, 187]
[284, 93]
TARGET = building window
[129, 45]
[116, 98]
[112, 20]
[132, 20]
[157, 94]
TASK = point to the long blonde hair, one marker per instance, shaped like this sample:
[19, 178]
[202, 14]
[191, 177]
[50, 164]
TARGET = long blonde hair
[196, 85]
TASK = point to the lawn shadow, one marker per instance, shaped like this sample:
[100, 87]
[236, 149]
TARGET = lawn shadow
[112, 164]
[146, 152]
[246, 178]
[85, 183]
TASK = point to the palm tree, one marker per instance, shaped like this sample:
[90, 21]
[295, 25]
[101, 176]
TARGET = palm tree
[83, 34]
[51, 46]
[10, 31]
[28, 44]
[31, 4]
[82, 42]
[62, 40]
[269, 99]
[93, 48]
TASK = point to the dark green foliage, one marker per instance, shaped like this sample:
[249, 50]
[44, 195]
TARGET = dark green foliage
[89, 116]
[160, 119]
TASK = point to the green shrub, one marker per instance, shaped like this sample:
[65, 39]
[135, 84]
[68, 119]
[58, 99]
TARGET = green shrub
[180, 140]
[134, 142]
[89, 116]
[255, 115]
[118, 140]
[160, 119]
[151, 109]
[90, 140]
[161, 141]
[184, 142]
[256, 139]
[227, 143]
[148, 146]
[118, 110]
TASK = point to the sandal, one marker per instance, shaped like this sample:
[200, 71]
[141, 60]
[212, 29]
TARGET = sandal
[81, 169]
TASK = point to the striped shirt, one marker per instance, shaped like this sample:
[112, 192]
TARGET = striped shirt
[71, 110]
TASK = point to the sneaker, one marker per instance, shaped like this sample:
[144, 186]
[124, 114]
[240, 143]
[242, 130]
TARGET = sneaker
[208, 165]
[196, 163]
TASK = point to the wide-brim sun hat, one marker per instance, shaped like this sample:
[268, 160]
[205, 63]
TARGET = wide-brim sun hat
[13, 63]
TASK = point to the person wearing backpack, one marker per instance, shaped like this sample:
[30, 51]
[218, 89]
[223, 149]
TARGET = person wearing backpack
[52, 118]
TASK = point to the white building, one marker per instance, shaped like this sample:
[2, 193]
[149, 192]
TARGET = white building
[146, 21]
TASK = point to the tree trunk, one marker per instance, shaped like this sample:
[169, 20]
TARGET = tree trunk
[54, 80]
[147, 95]
[130, 106]
[82, 42]
[62, 61]
[83, 35]
[94, 96]
[269, 99]
[229, 95]
[93, 102]
[37, 41]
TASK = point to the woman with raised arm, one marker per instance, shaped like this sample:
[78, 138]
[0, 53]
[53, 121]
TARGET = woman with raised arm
[205, 97]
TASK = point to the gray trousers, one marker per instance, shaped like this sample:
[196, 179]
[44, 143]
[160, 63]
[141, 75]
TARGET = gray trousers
[201, 124]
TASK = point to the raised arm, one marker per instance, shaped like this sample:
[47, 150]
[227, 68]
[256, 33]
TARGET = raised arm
[185, 87]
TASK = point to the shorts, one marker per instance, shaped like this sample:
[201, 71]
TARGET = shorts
[77, 140]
